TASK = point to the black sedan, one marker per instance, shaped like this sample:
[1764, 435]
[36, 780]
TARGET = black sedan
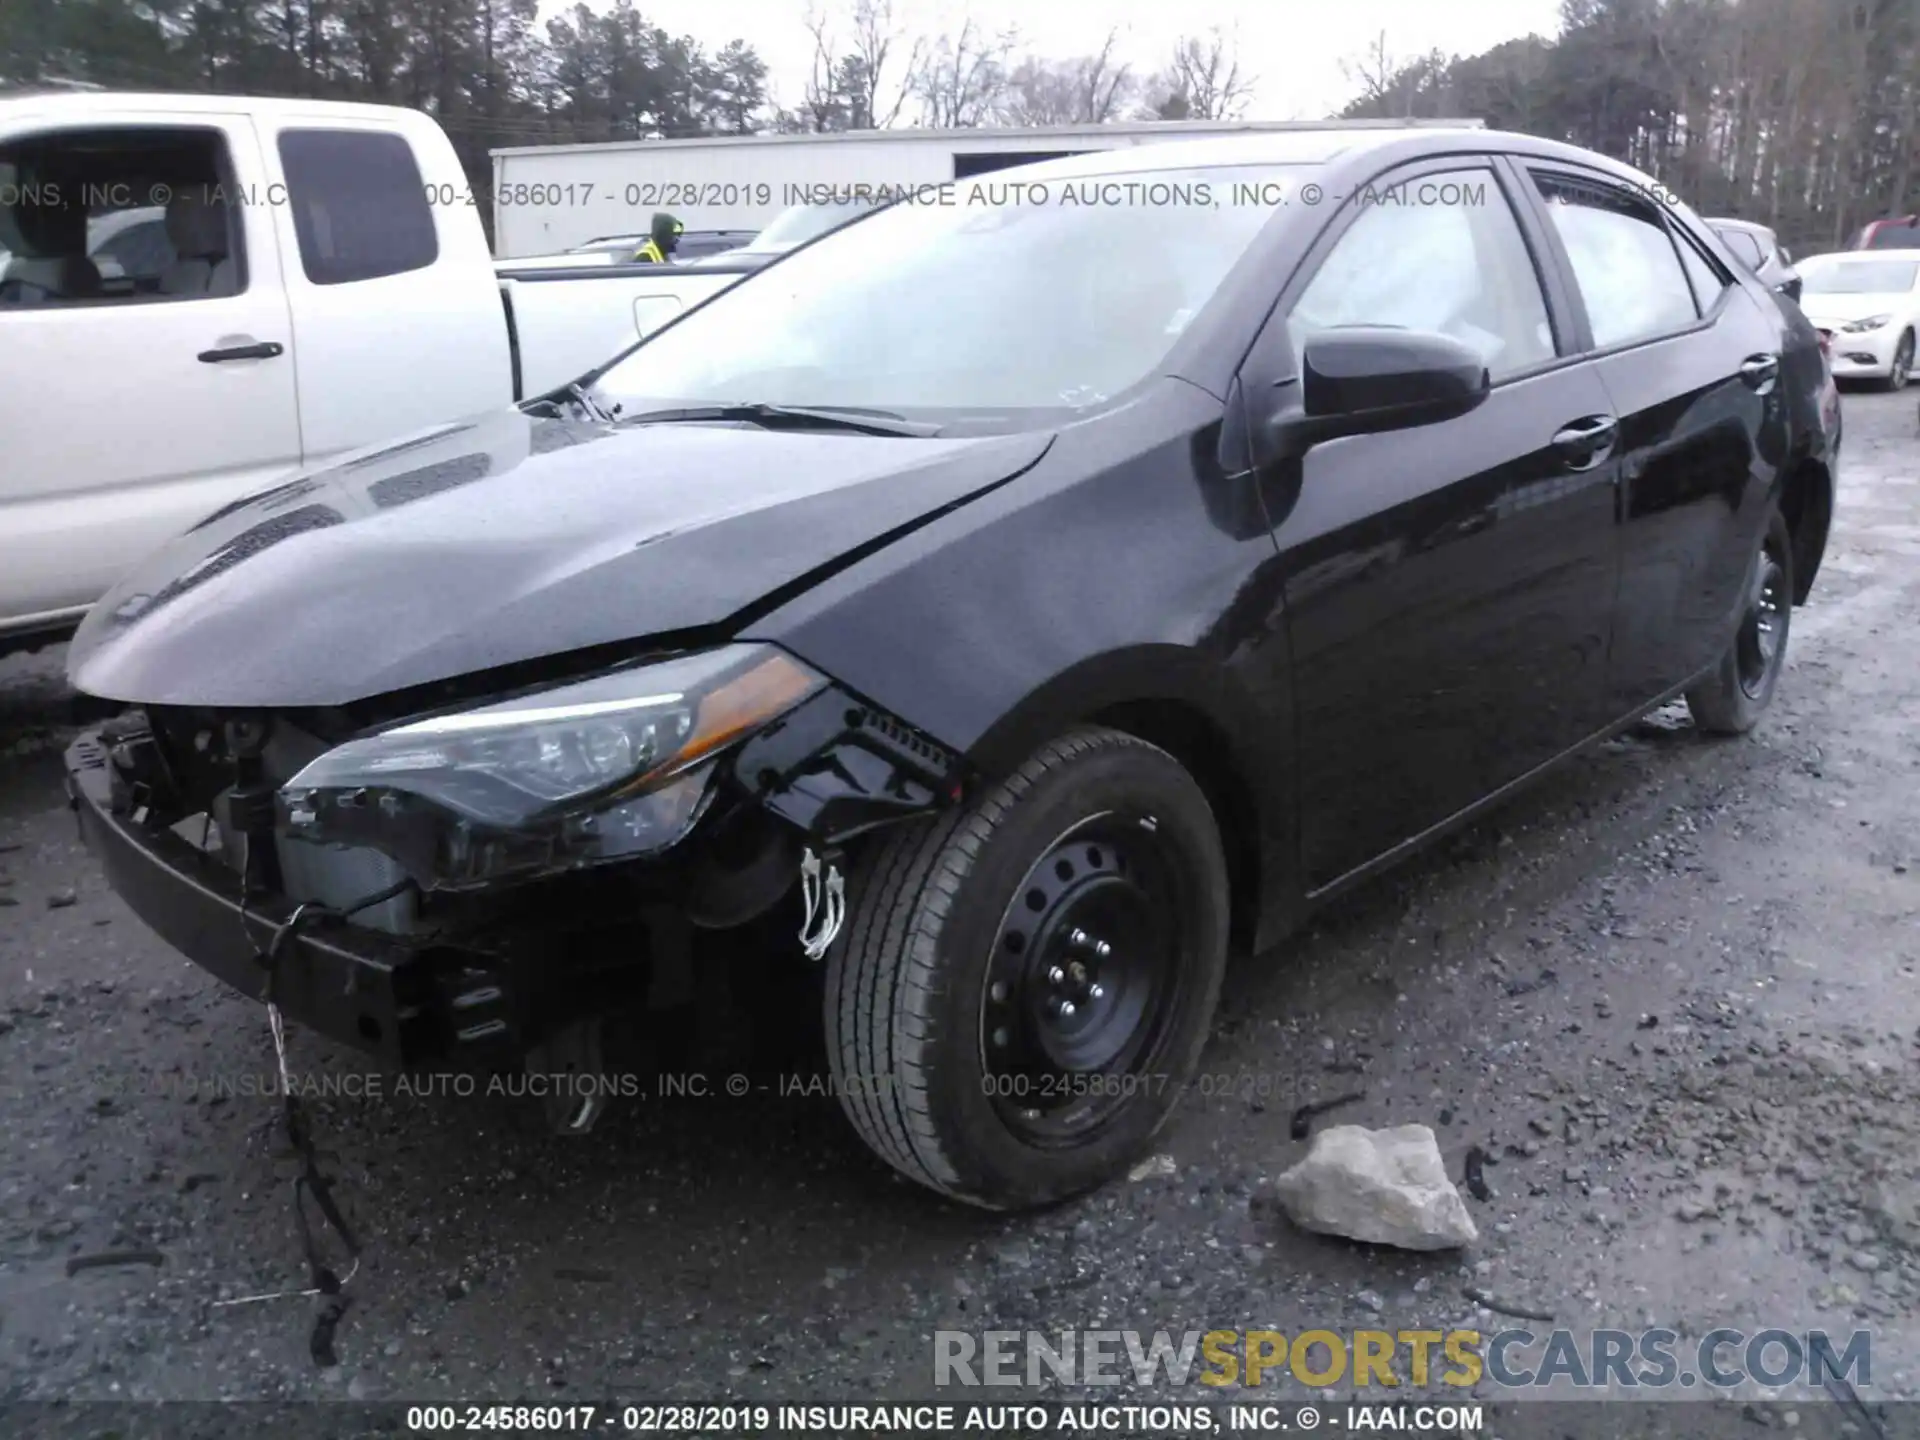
[1006, 606]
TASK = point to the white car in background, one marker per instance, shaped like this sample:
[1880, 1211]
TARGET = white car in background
[1867, 305]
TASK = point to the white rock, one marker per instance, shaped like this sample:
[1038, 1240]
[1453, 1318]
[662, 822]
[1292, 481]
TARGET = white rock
[1154, 1167]
[1386, 1187]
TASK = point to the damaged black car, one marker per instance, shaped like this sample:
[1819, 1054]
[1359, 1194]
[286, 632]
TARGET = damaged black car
[1009, 605]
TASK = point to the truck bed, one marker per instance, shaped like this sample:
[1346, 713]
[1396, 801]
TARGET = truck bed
[563, 321]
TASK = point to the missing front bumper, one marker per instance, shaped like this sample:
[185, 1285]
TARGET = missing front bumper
[407, 1005]
[521, 964]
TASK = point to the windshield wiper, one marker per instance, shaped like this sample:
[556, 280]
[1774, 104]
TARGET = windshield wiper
[595, 411]
[789, 417]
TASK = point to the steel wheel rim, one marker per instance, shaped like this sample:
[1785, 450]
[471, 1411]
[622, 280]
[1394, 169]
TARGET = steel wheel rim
[1083, 981]
[1763, 628]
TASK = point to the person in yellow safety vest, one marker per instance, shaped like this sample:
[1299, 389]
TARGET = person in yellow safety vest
[664, 240]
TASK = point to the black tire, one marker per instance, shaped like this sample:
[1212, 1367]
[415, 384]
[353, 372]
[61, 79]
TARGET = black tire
[1902, 371]
[918, 989]
[1732, 700]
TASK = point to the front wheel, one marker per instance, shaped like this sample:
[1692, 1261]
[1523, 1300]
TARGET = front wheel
[1731, 700]
[1902, 370]
[1026, 982]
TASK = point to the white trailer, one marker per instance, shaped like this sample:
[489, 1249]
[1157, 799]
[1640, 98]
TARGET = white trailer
[549, 197]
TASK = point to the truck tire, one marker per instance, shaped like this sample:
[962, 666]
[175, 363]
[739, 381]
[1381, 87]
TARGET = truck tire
[1732, 699]
[1026, 982]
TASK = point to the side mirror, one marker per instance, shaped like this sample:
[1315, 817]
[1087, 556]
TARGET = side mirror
[1366, 379]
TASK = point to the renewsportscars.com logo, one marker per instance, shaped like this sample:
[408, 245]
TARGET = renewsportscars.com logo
[1653, 1359]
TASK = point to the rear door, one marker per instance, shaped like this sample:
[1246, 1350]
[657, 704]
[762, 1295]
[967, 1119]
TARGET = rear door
[1448, 587]
[1690, 360]
[131, 411]
[395, 304]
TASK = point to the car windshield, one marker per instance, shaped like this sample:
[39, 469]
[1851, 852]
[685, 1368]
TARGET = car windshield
[802, 223]
[1859, 277]
[1004, 296]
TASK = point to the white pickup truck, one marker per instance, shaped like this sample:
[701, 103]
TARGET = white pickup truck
[320, 282]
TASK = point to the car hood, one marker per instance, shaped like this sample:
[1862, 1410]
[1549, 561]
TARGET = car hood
[503, 540]
[1853, 307]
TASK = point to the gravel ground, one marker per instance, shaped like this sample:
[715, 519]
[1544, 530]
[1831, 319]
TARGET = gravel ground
[1671, 992]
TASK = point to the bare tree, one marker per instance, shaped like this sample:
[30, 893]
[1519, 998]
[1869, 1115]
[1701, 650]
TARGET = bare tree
[963, 77]
[821, 105]
[861, 81]
[1040, 92]
[1372, 73]
[1091, 90]
[1203, 81]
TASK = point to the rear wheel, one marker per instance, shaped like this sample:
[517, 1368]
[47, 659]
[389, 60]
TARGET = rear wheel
[1902, 370]
[1732, 699]
[1026, 983]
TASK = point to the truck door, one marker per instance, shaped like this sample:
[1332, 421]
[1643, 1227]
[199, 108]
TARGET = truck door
[141, 386]
[395, 304]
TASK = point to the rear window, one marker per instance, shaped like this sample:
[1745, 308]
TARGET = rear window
[802, 223]
[359, 207]
[1745, 248]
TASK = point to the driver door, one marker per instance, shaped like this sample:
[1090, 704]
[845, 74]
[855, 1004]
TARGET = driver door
[1449, 588]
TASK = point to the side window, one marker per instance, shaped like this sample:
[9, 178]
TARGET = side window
[118, 216]
[1624, 261]
[1442, 252]
[359, 206]
[1702, 275]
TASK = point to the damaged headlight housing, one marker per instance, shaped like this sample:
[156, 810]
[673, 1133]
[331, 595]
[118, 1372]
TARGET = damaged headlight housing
[610, 768]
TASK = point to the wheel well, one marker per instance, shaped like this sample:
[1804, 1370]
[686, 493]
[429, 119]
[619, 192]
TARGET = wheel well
[1806, 504]
[1201, 747]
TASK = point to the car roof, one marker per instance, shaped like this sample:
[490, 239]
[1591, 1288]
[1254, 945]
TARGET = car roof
[1284, 147]
[113, 104]
[1319, 146]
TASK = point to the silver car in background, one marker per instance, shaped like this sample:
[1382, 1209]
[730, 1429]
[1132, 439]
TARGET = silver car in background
[1760, 250]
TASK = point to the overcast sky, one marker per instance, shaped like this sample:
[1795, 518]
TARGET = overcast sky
[1294, 48]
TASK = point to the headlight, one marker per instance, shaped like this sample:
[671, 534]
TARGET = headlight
[602, 769]
[1872, 322]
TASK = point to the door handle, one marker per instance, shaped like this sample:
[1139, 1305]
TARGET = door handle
[1759, 371]
[258, 350]
[1583, 444]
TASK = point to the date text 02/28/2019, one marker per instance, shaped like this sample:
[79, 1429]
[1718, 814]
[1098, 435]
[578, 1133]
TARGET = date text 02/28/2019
[936, 1419]
[519, 1419]
[649, 194]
